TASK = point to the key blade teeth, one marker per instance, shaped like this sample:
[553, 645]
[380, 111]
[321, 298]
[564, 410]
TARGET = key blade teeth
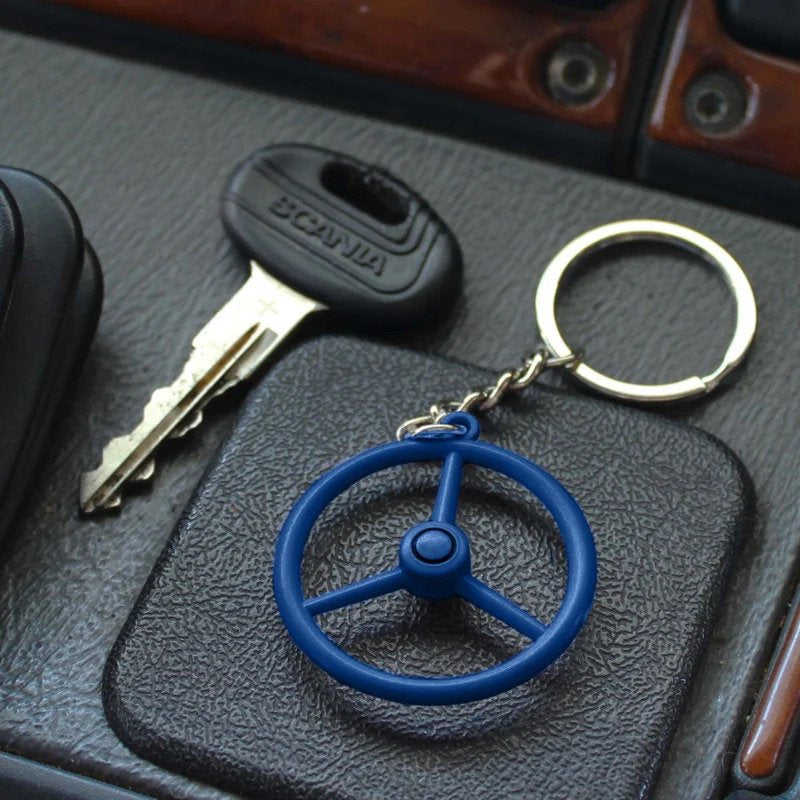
[90, 504]
[92, 497]
[87, 492]
[125, 460]
[145, 473]
[189, 424]
[114, 503]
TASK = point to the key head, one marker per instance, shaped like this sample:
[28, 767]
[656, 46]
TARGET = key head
[345, 233]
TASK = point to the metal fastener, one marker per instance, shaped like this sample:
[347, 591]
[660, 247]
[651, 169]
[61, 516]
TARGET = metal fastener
[576, 72]
[716, 102]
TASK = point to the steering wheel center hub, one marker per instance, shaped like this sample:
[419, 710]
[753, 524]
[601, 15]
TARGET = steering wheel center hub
[434, 557]
[433, 546]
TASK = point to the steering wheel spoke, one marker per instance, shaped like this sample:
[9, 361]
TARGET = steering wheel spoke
[374, 586]
[484, 597]
[446, 503]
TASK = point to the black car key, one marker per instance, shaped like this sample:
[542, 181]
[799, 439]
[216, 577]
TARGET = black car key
[322, 231]
[348, 234]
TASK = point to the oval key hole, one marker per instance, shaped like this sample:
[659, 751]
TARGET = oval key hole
[365, 191]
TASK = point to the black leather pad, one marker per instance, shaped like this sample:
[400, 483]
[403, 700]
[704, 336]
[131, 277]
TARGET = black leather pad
[204, 679]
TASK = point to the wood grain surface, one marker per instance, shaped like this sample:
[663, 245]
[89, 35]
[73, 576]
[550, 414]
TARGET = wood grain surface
[492, 50]
[776, 713]
[767, 138]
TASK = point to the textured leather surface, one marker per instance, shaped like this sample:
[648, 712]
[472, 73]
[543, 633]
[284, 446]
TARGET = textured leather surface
[10, 248]
[143, 153]
[21, 778]
[204, 678]
[51, 320]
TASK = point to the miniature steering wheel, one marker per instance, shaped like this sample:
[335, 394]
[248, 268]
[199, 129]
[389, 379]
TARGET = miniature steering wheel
[434, 563]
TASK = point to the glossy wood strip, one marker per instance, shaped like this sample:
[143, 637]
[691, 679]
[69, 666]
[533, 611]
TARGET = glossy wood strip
[492, 50]
[768, 136]
[772, 721]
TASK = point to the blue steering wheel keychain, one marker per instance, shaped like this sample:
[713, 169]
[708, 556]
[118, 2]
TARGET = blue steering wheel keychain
[434, 555]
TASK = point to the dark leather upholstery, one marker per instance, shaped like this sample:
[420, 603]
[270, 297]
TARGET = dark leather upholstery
[204, 678]
[32, 780]
[55, 305]
[143, 152]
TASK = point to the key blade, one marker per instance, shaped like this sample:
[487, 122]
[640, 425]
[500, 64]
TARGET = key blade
[286, 309]
[124, 455]
[246, 329]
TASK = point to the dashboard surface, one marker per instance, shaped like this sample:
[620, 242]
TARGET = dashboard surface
[143, 152]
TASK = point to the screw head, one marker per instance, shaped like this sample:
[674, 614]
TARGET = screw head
[576, 72]
[716, 103]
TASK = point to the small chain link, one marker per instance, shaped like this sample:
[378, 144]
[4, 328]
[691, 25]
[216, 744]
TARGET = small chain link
[513, 380]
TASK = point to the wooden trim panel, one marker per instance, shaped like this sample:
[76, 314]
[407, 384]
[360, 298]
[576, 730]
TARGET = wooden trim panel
[768, 136]
[492, 50]
[776, 714]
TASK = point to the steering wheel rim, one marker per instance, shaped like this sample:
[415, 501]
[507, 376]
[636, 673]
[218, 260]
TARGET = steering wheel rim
[550, 640]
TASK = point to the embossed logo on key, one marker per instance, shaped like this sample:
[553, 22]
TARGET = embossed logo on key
[307, 221]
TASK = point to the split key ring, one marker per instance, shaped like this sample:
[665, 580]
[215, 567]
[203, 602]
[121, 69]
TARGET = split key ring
[576, 252]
